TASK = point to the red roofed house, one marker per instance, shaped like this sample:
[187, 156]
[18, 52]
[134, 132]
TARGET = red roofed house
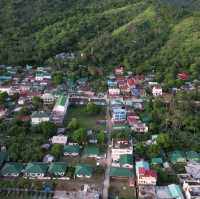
[145, 175]
[183, 76]
[119, 70]
[131, 82]
[132, 120]
[137, 125]
[114, 91]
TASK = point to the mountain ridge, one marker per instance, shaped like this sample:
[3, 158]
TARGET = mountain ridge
[138, 34]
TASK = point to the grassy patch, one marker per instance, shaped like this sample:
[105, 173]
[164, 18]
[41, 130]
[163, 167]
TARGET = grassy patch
[84, 119]
[149, 13]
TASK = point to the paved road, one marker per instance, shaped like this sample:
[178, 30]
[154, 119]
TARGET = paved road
[106, 183]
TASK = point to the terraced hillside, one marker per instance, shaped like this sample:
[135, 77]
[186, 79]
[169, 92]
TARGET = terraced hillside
[145, 35]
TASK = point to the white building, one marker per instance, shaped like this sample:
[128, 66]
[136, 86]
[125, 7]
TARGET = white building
[22, 100]
[6, 89]
[114, 91]
[48, 98]
[39, 116]
[119, 148]
[61, 104]
[59, 139]
[157, 91]
[60, 109]
[118, 114]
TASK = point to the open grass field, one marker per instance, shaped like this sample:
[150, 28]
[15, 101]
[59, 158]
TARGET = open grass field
[85, 120]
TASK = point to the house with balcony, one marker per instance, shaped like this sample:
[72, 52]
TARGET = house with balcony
[39, 116]
[59, 139]
[157, 91]
[145, 175]
[118, 114]
[120, 147]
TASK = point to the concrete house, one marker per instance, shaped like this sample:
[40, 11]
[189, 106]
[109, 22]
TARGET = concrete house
[118, 114]
[59, 139]
[157, 91]
[39, 116]
[48, 98]
[121, 147]
[145, 175]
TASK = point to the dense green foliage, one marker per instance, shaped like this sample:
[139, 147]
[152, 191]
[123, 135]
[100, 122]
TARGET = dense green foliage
[177, 124]
[145, 35]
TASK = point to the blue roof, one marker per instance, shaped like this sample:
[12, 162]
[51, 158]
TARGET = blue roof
[175, 191]
[142, 164]
[135, 92]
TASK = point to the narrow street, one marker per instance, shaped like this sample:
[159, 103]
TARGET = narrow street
[106, 183]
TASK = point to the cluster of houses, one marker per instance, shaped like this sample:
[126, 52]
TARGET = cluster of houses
[31, 82]
[122, 166]
[50, 169]
[139, 173]
[126, 95]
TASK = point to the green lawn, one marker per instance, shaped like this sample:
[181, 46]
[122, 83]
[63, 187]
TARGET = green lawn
[85, 120]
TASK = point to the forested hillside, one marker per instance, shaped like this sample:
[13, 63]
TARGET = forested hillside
[144, 35]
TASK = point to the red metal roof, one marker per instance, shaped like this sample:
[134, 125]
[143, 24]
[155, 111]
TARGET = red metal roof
[183, 75]
[131, 82]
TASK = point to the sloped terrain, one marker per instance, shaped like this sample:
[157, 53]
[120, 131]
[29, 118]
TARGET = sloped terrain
[144, 35]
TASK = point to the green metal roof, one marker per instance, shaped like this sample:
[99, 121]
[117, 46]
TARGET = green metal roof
[126, 159]
[36, 167]
[175, 191]
[156, 161]
[57, 167]
[42, 73]
[91, 150]
[71, 149]
[61, 100]
[121, 172]
[12, 168]
[192, 156]
[177, 156]
[83, 169]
